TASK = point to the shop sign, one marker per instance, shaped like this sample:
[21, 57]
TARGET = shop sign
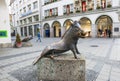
[3, 33]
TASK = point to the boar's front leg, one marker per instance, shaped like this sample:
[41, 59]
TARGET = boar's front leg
[76, 48]
[74, 52]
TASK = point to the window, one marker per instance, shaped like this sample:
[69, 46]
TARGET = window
[35, 5]
[29, 7]
[90, 5]
[71, 8]
[51, 12]
[109, 3]
[67, 9]
[20, 11]
[20, 1]
[36, 18]
[30, 19]
[25, 21]
[21, 22]
[24, 9]
[17, 23]
[101, 4]
[64, 9]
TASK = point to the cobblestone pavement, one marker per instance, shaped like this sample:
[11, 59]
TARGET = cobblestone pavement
[102, 59]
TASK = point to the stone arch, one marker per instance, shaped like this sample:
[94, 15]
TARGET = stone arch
[67, 23]
[104, 26]
[86, 25]
[46, 28]
[56, 28]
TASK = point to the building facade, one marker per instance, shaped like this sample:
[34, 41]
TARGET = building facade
[26, 17]
[52, 17]
[5, 38]
[97, 17]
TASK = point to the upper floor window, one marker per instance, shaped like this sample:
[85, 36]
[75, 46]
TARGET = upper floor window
[109, 3]
[49, 1]
[51, 12]
[29, 7]
[20, 11]
[90, 5]
[36, 18]
[30, 19]
[21, 22]
[20, 1]
[25, 21]
[35, 5]
[67, 9]
[24, 9]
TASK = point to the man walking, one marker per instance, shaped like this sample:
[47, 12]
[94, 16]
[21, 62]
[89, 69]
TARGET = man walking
[38, 35]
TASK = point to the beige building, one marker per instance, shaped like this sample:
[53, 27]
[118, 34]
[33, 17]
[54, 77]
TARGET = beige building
[97, 17]
[53, 17]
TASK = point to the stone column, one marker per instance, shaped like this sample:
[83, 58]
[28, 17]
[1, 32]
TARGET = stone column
[27, 30]
[23, 31]
[94, 30]
[62, 31]
[33, 30]
[51, 32]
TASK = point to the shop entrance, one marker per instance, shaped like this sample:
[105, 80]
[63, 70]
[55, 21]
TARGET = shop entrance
[86, 26]
[46, 30]
[104, 26]
[56, 29]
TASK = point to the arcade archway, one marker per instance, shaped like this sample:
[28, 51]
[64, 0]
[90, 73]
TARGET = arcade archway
[56, 29]
[46, 30]
[104, 26]
[67, 24]
[86, 25]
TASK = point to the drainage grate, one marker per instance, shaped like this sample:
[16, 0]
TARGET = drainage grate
[94, 46]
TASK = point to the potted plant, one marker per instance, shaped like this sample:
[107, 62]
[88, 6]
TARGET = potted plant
[18, 42]
[109, 5]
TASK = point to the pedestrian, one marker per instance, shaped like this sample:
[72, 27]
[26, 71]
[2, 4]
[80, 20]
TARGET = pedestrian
[109, 33]
[38, 35]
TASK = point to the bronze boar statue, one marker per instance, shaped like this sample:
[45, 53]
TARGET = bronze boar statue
[68, 42]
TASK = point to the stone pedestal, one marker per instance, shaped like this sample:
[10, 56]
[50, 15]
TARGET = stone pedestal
[61, 68]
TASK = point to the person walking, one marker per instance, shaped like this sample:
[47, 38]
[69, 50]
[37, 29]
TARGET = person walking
[109, 33]
[38, 35]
